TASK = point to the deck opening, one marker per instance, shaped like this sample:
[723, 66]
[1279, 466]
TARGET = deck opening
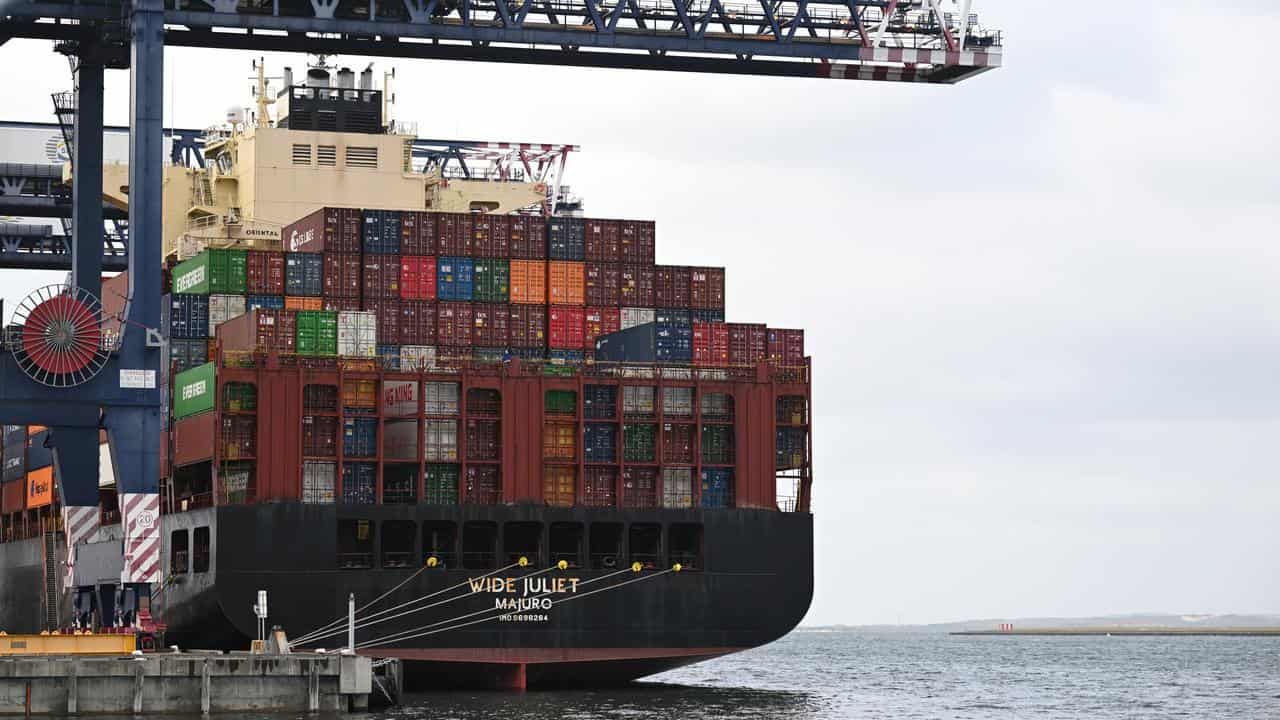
[479, 545]
[355, 544]
[179, 551]
[522, 539]
[200, 553]
[606, 545]
[685, 543]
[566, 543]
[440, 540]
[646, 544]
[397, 543]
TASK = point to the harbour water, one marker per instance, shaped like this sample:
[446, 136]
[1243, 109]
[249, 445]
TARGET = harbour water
[839, 675]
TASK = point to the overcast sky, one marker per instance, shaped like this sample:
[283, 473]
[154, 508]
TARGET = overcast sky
[1043, 305]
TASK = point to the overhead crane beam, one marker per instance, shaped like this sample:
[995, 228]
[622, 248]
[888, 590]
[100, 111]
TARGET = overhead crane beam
[797, 38]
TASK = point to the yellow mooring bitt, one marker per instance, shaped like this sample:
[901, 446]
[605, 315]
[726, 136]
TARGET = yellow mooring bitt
[56, 644]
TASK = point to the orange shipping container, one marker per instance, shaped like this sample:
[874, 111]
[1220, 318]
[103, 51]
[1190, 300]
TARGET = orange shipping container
[39, 488]
[558, 485]
[528, 282]
[303, 303]
[568, 286]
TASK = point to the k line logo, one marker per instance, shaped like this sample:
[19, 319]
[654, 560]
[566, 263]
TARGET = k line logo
[190, 280]
[195, 389]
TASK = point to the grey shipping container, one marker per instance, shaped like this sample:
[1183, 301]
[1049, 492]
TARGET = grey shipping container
[186, 316]
[303, 274]
[568, 238]
[186, 354]
[634, 344]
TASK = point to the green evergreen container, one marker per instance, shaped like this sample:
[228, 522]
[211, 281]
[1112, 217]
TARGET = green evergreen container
[639, 442]
[440, 484]
[562, 402]
[717, 444]
[492, 281]
[317, 333]
[193, 391]
[223, 272]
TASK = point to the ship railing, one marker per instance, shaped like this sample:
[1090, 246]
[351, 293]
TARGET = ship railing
[569, 557]
[397, 559]
[355, 561]
[786, 503]
[479, 560]
[397, 496]
[511, 366]
[687, 560]
[648, 561]
[444, 560]
[605, 561]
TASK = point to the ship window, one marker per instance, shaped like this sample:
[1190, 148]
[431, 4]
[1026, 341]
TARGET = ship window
[606, 545]
[685, 541]
[301, 154]
[479, 545]
[566, 543]
[646, 544]
[362, 157]
[355, 544]
[439, 540]
[326, 155]
[522, 539]
[179, 552]
[200, 554]
[397, 543]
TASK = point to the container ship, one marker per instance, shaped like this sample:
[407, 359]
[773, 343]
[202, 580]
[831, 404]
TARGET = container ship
[527, 453]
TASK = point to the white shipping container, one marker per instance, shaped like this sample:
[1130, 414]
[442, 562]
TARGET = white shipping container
[632, 317]
[677, 487]
[318, 482]
[223, 308]
[400, 440]
[440, 440]
[441, 398]
[417, 357]
[400, 398]
[677, 401]
[637, 400]
[357, 333]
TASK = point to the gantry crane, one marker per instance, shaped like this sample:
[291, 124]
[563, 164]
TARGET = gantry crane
[60, 373]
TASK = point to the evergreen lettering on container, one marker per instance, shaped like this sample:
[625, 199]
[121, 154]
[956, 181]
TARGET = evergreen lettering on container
[193, 391]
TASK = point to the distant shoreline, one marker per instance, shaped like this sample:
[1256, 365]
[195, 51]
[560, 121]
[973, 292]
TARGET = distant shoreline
[1130, 631]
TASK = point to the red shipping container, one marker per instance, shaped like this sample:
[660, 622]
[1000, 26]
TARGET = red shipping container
[388, 314]
[706, 288]
[417, 278]
[417, 233]
[637, 242]
[636, 286]
[193, 439]
[491, 325]
[603, 241]
[340, 304]
[748, 343]
[710, 344]
[527, 326]
[603, 284]
[14, 496]
[265, 273]
[453, 234]
[342, 275]
[786, 347]
[319, 436]
[327, 229]
[483, 440]
[528, 237]
[454, 322]
[426, 311]
[500, 227]
[671, 286]
[259, 329]
[678, 441]
[381, 276]
[600, 321]
[410, 325]
[567, 325]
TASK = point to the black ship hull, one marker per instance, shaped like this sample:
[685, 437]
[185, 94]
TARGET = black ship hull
[747, 580]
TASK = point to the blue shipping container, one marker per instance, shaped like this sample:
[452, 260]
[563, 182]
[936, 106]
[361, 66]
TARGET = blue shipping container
[635, 344]
[489, 354]
[600, 443]
[717, 488]
[360, 437]
[706, 316]
[599, 401]
[568, 238]
[188, 316]
[358, 483]
[455, 278]
[380, 232]
[529, 353]
[39, 456]
[673, 338]
[303, 274]
[267, 302]
[567, 356]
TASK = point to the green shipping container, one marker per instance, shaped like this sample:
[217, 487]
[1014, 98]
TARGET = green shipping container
[317, 333]
[441, 486]
[717, 444]
[212, 271]
[639, 442]
[193, 391]
[492, 281]
[562, 402]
